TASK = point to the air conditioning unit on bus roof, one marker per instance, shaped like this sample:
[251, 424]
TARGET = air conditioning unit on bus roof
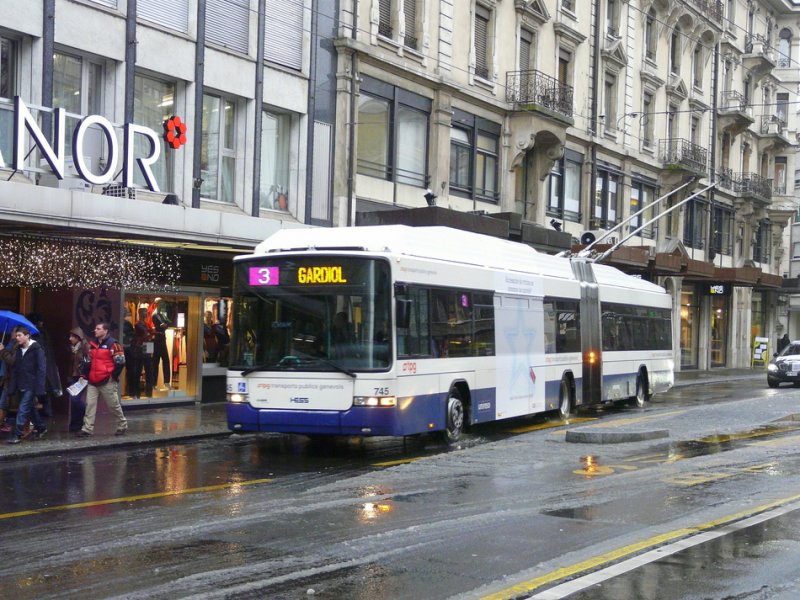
[589, 237]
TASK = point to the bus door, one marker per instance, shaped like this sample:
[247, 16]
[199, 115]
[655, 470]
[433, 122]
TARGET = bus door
[591, 341]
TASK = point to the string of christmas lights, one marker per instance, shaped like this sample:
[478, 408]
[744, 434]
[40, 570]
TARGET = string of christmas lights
[50, 263]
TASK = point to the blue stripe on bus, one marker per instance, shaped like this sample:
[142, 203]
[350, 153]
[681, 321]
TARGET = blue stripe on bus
[412, 415]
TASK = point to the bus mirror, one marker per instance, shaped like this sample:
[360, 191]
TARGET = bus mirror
[403, 310]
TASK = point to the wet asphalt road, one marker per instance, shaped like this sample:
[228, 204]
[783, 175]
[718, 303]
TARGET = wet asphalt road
[511, 511]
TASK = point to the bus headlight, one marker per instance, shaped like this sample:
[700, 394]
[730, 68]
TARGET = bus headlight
[237, 398]
[374, 401]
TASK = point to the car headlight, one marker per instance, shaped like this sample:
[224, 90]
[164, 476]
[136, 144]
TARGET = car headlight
[237, 398]
[772, 367]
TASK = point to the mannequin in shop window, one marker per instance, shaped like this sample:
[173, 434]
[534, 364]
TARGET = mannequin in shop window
[142, 343]
[160, 352]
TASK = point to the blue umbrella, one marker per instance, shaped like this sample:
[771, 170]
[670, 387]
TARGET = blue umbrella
[9, 320]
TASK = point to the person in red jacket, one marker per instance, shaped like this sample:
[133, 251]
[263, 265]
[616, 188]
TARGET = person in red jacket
[107, 361]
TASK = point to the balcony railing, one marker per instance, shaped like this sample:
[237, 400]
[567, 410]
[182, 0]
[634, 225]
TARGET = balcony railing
[733, 100]
[683, 153]
[713, 9]
[757, 44]
[534, 87]
[773, 124]
[752, 184]
[748, 184]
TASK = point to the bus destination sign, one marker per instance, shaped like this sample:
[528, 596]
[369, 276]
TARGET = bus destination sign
[316, 275]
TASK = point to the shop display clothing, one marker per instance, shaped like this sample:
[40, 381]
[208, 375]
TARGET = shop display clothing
[141, 360]
[160, 352]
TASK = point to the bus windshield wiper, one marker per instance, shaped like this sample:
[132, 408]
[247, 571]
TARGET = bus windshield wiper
[264, 367]
[338, 367]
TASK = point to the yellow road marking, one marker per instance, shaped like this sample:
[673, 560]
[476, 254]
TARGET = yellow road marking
[526, 587]
[551, 424]
[688, 479]
[784, 441]
[634, 420]
[392, 463]
[207, 488]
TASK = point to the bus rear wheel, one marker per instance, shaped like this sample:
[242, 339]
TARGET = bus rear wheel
[641, 390]
[564, 400]
[454, 418]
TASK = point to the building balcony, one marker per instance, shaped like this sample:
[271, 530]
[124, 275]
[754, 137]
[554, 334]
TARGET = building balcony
[758, 58]
[713, 9]
[774, 133]
[753, 186]
[679, 154]
[734, 112]
[536, 91]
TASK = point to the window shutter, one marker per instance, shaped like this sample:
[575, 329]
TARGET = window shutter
[109, 3]
[321, 178]
[410, 10]
[283, 33]
[525, 43]
[385, 18]
[228, 23]
[173, 14]
[481, 32]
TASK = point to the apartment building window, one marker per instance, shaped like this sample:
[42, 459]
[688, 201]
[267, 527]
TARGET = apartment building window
[565, 187]
[218, 149]
[228, 24]
[527, 50]
[153, 103]
[276, 154]
[483, 41]
[411, 37]
[564, 66]
[723, 230]
[779, 179]
[730, 12]
[695, 130]
[650, 36]
[474, 148]
[761, 241]
[785, 48]
[693, 223]
[392, 133]
[172, 14]
[672, 122]
[385, 19]
[697, 66]
[568, 5]
[647, 120]
[8, 89]
[284, 33]
[606, 198]
[675, 52]
[610, 102]
[612, 18]
[643, 193]
[77, 88]
[782, 107]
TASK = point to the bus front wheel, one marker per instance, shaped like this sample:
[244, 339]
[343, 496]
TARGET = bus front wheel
[454, 418]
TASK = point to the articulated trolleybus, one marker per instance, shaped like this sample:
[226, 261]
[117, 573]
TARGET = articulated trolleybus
[397, 330]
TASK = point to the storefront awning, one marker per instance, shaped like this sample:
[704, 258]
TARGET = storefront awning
[744, 276]
[767, 280]
[694, 269]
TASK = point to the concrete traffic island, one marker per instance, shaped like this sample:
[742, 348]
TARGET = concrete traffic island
[613, 436]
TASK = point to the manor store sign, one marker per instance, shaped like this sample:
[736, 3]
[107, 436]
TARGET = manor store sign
[55, 155]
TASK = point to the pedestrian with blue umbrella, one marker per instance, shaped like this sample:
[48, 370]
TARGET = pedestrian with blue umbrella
[9, 320]
[28, 380]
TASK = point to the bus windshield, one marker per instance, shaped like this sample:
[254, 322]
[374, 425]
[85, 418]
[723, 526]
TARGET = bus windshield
[329, 313]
